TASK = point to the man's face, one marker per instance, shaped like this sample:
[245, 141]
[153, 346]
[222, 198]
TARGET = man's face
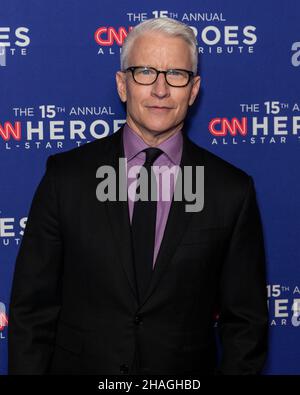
[158, 108]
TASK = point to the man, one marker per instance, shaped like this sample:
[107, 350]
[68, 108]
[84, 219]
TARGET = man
[84, 300]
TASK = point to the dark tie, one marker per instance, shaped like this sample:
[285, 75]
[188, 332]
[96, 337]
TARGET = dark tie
[143, 229]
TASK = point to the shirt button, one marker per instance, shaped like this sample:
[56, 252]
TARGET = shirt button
[138, 319]
[124, 369]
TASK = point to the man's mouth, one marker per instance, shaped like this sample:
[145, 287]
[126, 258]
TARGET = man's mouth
[159, 107]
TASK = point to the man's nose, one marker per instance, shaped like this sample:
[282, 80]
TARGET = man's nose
[160, 88]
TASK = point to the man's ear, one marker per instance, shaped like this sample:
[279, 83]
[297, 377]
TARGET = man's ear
[195, 89]
[121, 85]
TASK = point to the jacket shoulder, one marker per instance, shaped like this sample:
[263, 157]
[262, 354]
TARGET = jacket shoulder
[216, 163]
[221, 175]
[87, 151]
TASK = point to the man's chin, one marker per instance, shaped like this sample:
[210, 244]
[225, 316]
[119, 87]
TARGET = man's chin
[154, 128]
[158, 129]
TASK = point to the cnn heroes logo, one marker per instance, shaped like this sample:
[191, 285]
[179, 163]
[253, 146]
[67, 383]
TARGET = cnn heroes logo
[11, 229]
[270, 122]
[13, 42]
[227, 38]
[48, 130]
[210, 35]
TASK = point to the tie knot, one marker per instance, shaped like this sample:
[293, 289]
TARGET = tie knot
[152, 154]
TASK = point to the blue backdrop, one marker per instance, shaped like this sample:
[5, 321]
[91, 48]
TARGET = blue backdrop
[57, 90]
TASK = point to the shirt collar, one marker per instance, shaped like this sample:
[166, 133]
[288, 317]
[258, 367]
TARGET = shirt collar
[134, 144]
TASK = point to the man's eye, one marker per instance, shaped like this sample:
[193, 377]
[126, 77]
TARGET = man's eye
[145, 71]
[175, 72]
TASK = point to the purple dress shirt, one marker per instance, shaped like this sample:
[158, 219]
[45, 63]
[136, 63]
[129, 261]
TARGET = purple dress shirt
[172, 151]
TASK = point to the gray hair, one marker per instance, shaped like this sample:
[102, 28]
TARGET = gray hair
[166, 26]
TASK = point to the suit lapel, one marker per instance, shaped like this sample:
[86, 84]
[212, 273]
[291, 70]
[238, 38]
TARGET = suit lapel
[176, 225]
[119, 216]
[177, 222]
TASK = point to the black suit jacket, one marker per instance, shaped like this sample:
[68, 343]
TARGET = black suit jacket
[74, 307]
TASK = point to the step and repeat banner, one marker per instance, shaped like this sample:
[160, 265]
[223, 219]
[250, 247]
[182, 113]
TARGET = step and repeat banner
[58, 61]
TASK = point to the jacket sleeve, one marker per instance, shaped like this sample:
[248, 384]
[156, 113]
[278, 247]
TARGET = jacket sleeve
[36, 291]
[243, 321]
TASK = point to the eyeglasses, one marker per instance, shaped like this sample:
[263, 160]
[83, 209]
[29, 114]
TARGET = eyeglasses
[148, 75]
